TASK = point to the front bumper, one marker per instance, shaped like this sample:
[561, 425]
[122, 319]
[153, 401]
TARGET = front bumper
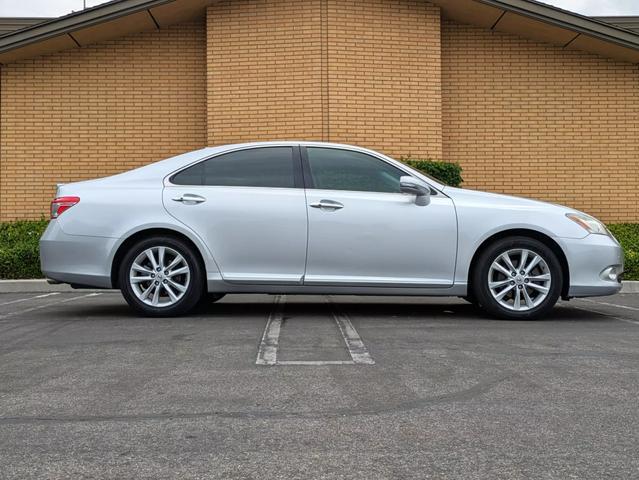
[76, 259]
[588, 258]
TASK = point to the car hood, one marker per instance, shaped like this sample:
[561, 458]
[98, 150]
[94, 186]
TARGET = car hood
[491, 213]
[497, 200]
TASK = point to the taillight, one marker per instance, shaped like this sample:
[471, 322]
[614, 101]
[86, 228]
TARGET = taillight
[61, 204]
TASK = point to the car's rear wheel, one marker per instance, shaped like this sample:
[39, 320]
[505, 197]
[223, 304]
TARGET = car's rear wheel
[517, 278]
[161, 277]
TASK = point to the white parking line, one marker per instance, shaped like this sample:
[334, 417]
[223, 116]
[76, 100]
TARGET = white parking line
[30, 298]
[626, 307]
[267, 351]
[317, 362]
[353, 341]
[39, 307]
[625, 320]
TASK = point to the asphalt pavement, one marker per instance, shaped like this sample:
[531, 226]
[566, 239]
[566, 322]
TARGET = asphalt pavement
[281, 387]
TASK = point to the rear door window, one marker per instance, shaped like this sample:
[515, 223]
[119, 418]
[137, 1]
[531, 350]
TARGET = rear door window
[257, 167]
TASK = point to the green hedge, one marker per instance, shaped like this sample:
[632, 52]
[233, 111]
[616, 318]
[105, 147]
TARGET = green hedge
[628, 236]
[445, 172]
[19, 252]
[19, 256]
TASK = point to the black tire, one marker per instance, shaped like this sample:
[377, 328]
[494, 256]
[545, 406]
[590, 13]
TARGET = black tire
[481, 290]
[194, 291]
[470, 298]
[206, 301]
[212, 297]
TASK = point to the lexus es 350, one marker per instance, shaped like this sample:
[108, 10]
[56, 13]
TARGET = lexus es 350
[318, 218]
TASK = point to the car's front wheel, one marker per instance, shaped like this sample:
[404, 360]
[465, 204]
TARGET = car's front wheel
[161, 277]
[517, 278]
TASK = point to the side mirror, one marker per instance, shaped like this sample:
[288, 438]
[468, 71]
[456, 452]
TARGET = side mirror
[414, 186]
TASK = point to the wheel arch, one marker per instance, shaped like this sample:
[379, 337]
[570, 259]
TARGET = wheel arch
[523, 232]
[145, 233]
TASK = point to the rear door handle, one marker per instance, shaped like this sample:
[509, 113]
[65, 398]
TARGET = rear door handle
[328, 204]
[190, 199]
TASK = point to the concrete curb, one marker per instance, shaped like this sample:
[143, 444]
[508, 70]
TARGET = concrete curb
[41, 286]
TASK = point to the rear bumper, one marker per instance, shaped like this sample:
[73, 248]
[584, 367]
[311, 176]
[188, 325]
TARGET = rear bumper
[588, 258]
[76, 259]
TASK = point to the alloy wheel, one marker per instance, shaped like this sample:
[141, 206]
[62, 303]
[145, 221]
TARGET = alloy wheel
[159, 276]
[519, 279]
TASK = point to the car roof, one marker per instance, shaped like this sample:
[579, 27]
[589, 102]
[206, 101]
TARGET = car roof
[167, 167]
[232, 146]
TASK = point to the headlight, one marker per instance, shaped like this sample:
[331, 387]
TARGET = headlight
[588, 223]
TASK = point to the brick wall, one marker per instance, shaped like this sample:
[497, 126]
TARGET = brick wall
[522, 117]
[264, 70]
[535, 120]
[98, 110]
[363, 72]
[384, 71]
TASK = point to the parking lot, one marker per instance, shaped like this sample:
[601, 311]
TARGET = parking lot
[271, 387]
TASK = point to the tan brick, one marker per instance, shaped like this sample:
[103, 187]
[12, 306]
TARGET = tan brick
[98, 110]
[384, 74]
[521, 117]
[531, 119]
[264, 70]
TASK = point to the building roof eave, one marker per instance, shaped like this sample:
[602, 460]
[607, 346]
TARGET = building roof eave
[527, 18]
[630, 23]
[546, 23]
[572, 21]
[12, 24]
[77, 20]
[107, 20]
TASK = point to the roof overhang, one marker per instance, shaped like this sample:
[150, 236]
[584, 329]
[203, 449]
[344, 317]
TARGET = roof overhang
[11, 24]
[526, 18]
[102, 22]
[545, 23]
[628, 23]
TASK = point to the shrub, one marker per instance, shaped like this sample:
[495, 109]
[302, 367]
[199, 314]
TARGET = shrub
[19, 252]
[448, 173]
[628, 236]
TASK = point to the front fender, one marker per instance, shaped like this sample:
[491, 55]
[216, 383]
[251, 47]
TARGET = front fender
[479, 221]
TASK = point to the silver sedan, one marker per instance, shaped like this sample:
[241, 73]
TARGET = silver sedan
[318, 218]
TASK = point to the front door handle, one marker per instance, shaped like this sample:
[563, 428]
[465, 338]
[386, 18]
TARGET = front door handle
[189, 199]
[328, 204]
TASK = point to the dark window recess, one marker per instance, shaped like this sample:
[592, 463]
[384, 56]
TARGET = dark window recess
[334, 169]
[257, 167]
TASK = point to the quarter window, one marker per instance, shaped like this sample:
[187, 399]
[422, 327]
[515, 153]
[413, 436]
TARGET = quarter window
[257, 167]
[335, 169]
